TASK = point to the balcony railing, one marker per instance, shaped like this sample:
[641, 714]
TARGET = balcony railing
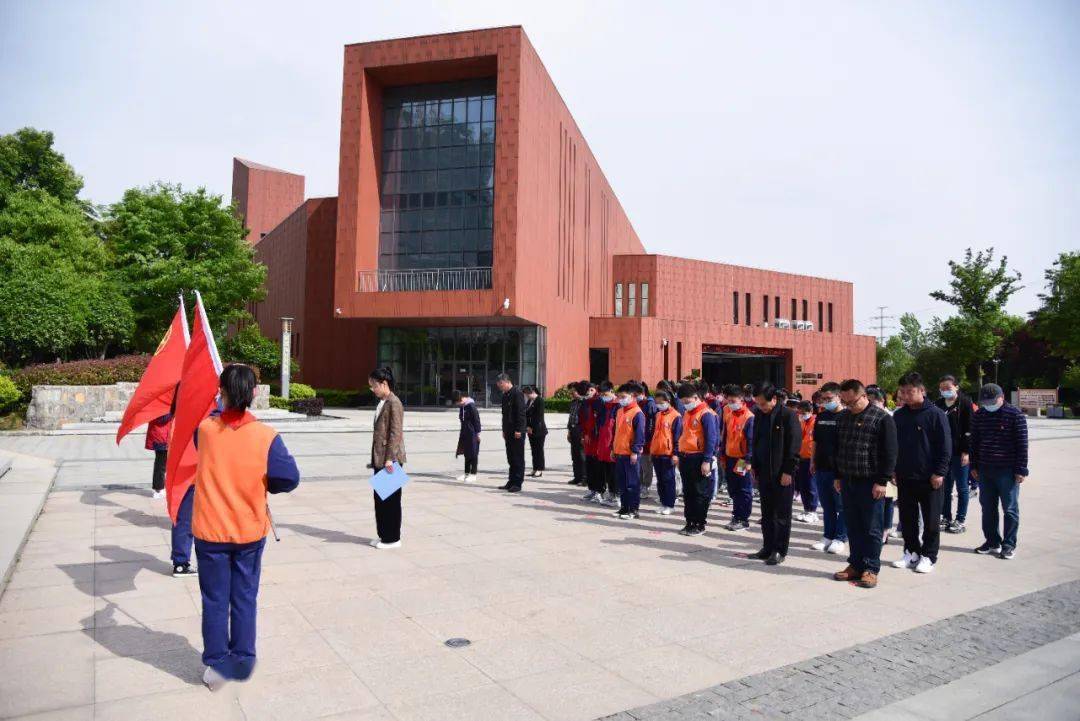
[383, 281]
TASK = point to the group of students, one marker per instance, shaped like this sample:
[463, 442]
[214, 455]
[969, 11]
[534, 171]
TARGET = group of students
[842, 451]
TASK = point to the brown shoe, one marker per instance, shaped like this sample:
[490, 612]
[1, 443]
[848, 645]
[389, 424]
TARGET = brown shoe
[848, 574]
[868, 580]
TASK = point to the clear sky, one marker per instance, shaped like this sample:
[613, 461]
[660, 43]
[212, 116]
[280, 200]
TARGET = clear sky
[867, 141]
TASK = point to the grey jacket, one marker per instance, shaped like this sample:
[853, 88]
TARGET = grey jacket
[387, 439]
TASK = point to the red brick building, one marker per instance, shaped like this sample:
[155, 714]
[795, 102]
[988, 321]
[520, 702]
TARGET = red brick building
[474, 233]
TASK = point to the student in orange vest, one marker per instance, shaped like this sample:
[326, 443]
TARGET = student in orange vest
[697, 450]
[607, 407]
[737, 434]
[804, 473]
[628, 445]
[667, 427]
[240, 459]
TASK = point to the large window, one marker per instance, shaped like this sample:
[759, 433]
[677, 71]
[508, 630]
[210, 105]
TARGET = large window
[429, 364]
[631, 306]
[618, 300]
[438, 176]
[644, 299]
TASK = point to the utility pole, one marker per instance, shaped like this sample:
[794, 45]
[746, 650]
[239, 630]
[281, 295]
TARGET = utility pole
[881, 318]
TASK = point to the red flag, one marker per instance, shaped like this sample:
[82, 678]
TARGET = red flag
[194, 401]
[153, 397]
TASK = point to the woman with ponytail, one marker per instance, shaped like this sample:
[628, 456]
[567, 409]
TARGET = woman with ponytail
[387, 446]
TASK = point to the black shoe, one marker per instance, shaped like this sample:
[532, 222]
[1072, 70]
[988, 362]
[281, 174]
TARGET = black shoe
[573, 482]
[774, 560]
[988, 549]
[943, 523]
[759, 556]
[696, 531]
[183, 570]
[685, 530]
[505, 486]
[538, 474]
[956, 527]
[513, 489]
[1007, 553]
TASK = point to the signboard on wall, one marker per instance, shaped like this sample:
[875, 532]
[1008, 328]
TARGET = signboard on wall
[1036, 397]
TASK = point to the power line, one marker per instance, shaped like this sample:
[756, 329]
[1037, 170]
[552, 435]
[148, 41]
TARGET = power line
[881, 318]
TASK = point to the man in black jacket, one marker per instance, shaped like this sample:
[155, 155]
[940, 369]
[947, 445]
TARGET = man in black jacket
[775, 450]
[865, 460]
[924, 446]
[958, 408]
[535, 427]
[513, 430]
[574, 434]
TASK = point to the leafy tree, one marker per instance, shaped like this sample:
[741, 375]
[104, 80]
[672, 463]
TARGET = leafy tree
[28, 162]
[1058, 320]
[248, 345]
[912, 334]
[893, 361]
[166, 240]
[979, 289]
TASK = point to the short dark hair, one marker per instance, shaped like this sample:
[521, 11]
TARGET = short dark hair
[628, 388]
[806, 406]
[948, 378]
[582, 388]
[732, 390]
[238, 381]
[687, 390]
[503, 377]
[910, 379]
[456, 396]
[383, 375]
[605, 386]
[852, 385]
[765, 389]
[830, 387]
[662, 396]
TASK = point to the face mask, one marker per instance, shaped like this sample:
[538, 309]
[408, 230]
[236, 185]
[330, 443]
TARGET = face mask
[608, 397]
[992, 406]
[805, 416]
[948, 394]
[663, 406]
[690, 405]
[735, 405]
[624, 402]
[641, 398]
[832, 405]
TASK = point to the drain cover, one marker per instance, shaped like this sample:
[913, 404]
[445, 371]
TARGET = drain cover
[458, 642]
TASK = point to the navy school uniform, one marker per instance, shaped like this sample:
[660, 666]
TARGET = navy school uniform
[697, 445]
[629, 441]
[662, 447]
[469, 436]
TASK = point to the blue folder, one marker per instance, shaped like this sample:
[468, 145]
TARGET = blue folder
[385, 484]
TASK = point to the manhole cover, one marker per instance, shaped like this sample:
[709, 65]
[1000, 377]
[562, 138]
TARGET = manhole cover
[458, 642]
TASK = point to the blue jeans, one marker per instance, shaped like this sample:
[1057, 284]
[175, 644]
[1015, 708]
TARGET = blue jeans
[957, 476]
[864, 516]
[665, 479]
[998, 485]
[832, 507]
[741, 490]
[181, 530]
[629, 476]
[804, 482]
[229, 582]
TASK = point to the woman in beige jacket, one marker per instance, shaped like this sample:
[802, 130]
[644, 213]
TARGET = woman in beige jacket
[387, 446]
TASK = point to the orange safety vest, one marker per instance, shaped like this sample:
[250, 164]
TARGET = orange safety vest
[692, 439]
[806, 451]
[230, 481]
[663, 440]
[624, 429]
[734, 438]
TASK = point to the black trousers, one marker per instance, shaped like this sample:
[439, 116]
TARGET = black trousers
[515, 456]
[776, 502]
[919, 497]
[470, 465]
[697, 490]
[388, 517]
[611, 481]
[159, 470]
[577, 454]
[536, 445]
[594, 474]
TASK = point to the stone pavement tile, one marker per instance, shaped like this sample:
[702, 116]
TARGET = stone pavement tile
[475, 624]
[596, 640]
[26, 688]
[441, 671]
[151, 673]
[74, 713]
[280, 621]
[1056, 701]
[301, 693]
[433, 598]
[513, 656]
[52, 619]
[52, 575]
[288, 652]
[362, 607]
[18, 599]
[129, 638]
[373, 713]
[578, 691]
[314, 571]
[380, 641]
[485, 702]
[670, 670]
[184, 705]
[151, 608]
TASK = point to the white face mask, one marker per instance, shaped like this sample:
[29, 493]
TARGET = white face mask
[735, 405]
[690, 405]
[608, 397]
[992, 406]
[663, 406]
[805, 416]
[624, 401]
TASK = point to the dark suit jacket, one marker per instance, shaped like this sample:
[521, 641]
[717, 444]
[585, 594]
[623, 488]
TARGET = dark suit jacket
[785, 441]
[534, 417]
[469, 435]
[387, 438]
[513, 412]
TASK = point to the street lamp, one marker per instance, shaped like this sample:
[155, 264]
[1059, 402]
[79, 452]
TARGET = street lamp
[286, 353]
[997, 362]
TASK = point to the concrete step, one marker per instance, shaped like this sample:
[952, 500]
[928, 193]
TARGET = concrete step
[105, 423]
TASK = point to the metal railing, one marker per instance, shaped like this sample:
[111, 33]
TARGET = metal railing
[384, 281]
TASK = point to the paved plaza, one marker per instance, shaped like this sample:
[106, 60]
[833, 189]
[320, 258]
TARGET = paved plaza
[571, 613]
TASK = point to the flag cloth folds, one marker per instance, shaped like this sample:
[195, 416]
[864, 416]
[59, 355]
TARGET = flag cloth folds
[194, 401]
[153, 397]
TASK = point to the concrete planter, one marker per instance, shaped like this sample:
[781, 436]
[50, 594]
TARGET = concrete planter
[53, 406]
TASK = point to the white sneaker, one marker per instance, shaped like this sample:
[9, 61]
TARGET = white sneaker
[611, 500]
[837, 547]
[384, 546]
[925, 565]
[820, 545]
[797, 516]
[810, 517]
[588, 496]
[158, 495]
[908, 561]
[665, 510]
[469, 478]
[213, 679]
[374, 542]
[463, 477]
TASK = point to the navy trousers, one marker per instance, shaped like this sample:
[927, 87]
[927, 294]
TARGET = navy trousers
[229, 582]
[863, 516]
[665, 479]
[741, 490]
[181, 530]
[804, 482]
[629, 477]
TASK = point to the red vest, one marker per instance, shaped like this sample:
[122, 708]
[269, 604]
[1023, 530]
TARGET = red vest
[605, 435]
[806, 451]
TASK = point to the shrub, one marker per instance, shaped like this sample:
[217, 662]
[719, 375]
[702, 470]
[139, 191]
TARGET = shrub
[335, 398]
[556, 405]
[128, 368]
[9, 394]
[300, 391]
[307, 406]
[279, 403]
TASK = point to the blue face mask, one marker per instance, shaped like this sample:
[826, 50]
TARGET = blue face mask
[992, 406]
[662, 406]
[831, 405]
[624, 401]
[948, 394]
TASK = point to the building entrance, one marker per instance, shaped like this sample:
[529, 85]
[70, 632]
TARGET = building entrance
[721, 365]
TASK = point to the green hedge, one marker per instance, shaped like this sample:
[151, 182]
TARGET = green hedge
[556, 405]
[279, 403]
[300, 392]
[129, 368]
[10, 394]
